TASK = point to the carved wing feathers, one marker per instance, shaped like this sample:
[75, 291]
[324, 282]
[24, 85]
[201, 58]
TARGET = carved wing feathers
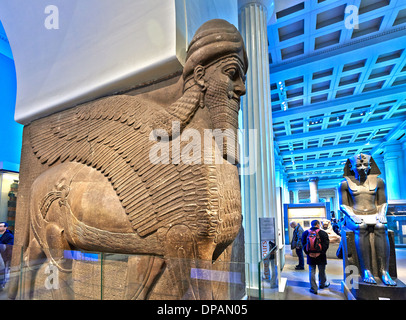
[112, 135]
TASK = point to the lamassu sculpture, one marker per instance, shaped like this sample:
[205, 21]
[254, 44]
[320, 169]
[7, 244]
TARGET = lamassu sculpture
[363, 201]
[98, 189]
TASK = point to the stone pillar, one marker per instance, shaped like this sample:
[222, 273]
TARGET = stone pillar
[285, 190]
[314, 196]
[295, 196]
[332, 205]
[258, 188]
[337, 204]
[393, 157]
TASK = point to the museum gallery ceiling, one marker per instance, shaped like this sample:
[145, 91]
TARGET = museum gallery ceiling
[336, 90]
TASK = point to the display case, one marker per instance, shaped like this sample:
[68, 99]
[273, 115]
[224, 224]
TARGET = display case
[12, 205]
[8, 196]
[108, 276]
[303, 214]
[396, 216]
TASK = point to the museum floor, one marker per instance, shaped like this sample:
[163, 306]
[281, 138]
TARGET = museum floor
[297, 286]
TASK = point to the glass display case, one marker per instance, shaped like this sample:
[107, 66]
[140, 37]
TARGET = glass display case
[105, 276]
[303, 214]
[8, 197]
[396, 216]
[268, 277]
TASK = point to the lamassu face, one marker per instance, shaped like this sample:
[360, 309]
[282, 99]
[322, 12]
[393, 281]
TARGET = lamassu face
[225, 86]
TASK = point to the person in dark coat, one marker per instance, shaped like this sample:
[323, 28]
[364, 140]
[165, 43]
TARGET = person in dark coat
[6, 236]
[320, 261]
[6, 244]
[297, 243]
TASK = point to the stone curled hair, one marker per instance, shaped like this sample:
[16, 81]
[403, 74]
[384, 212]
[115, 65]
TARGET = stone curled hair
[215, 39]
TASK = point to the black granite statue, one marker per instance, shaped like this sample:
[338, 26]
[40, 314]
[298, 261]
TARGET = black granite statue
[363, 201]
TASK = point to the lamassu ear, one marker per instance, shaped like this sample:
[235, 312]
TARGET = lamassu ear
[198, 75]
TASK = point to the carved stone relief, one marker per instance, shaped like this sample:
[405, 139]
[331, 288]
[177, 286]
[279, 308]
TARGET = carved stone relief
[139, 175]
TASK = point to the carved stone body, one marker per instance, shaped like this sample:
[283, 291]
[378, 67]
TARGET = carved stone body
[363, 200]
[98, 189]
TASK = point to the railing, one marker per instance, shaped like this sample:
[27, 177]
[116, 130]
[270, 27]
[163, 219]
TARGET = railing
[268, 275]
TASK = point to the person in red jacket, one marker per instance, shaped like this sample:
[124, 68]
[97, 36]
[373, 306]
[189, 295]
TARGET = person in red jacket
[318, 260]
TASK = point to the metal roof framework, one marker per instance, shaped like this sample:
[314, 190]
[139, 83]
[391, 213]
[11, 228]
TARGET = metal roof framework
[337, 88]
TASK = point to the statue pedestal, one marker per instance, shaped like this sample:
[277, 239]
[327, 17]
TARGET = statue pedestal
[354, 287]
[377, 291]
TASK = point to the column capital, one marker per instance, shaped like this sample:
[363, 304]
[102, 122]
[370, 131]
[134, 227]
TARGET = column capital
[268, 4]
[392, 146]
[391, 157]
[296, 186]
[392, 150]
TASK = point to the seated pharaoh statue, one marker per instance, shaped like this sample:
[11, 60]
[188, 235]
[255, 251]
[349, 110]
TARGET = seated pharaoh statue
[363, 201]
[111, 176]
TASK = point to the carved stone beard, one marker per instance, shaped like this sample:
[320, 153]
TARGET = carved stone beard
[182, 111]
[223, 106]
[362, 174]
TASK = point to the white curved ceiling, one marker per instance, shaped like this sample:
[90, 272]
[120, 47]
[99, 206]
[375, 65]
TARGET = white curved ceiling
[69, 52]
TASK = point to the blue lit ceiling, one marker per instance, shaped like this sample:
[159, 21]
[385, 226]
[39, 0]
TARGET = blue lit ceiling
[4, 44]
[10, 131]
[336, 91]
